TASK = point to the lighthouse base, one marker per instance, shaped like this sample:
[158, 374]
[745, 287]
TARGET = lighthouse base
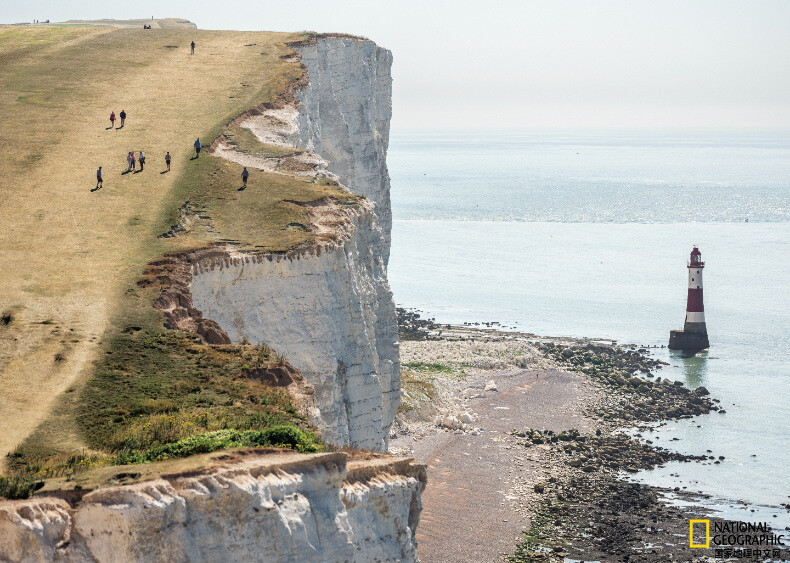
[688, 341]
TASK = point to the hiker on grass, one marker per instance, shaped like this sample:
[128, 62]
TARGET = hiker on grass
[123, 117]
[197, 147]
[244, 176]
[112, 119]
[193, 48]
[142, 161]
[167, 160]
[132, 161]
[99, 179]
[129, 159]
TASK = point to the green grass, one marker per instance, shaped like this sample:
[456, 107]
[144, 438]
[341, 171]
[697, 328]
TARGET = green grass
[28, 474]
[276, 436]
[258, 218]
[532, 546]
[426, 366]
[155, 387]
[243, 140]
[18, 486]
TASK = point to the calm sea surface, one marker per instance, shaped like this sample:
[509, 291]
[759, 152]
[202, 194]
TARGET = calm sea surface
[587, 234]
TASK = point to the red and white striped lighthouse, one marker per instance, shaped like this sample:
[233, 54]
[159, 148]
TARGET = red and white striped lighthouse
[694, 336]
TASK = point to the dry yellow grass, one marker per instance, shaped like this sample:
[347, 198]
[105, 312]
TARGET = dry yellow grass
[67, 255]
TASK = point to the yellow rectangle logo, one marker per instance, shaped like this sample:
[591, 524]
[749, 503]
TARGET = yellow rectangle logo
[691, 533]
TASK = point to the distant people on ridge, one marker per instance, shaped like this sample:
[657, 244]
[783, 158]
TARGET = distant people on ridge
[245, 174]
[167, 161]
[141, 158]
[99, 179]
[122, 115]
[112, 119]
[193, 48]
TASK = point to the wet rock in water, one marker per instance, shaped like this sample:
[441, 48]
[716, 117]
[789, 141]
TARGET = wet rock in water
[412, 327]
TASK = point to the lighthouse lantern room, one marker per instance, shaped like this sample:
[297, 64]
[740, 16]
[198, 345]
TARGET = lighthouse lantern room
[694, 336]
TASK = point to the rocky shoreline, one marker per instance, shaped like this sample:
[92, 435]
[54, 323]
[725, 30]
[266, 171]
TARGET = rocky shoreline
[580, 508]
[592, 513]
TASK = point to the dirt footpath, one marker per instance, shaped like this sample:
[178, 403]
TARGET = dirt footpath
[480, 484]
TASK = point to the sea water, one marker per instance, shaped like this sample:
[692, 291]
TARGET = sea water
[588, 234]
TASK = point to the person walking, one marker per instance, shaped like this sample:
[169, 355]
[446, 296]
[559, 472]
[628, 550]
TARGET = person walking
[245, 174]
[112, 119]
[141, 158]
[99, 179]
[197, 147]
[122, 115]
[129, 159]
[193, 48]
[134, 162]
[167, 160]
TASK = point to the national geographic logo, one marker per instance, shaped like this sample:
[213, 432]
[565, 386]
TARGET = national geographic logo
[705, 528]
[737, 539]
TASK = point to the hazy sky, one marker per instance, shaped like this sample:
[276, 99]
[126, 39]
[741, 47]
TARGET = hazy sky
[531, 64]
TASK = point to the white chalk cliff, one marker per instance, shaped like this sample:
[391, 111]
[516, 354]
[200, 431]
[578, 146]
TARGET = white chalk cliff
[244, 507]
[345, 117]
[329, 310]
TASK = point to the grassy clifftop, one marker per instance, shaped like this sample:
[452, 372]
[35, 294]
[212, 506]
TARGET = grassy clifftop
[71, 256]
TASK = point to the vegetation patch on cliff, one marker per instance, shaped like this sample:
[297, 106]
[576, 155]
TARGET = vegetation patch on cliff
[160, 394]
[258, 217]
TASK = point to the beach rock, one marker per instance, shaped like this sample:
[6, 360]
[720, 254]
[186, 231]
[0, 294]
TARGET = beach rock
[451, 423]
[490, 386]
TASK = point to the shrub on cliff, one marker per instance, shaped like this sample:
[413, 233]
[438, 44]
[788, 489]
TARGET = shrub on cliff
[18, 486]
[277, 436]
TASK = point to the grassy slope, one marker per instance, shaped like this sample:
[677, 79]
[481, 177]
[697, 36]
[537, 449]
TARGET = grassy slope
[70, 257]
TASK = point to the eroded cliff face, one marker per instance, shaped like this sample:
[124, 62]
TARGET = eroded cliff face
[243, 506]
[328, 308]
[331, 314]
[345, 116]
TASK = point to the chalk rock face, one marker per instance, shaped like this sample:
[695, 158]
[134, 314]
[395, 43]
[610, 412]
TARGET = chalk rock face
[294, 509]
[329, 311]
[345, 116]
[331, 315]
